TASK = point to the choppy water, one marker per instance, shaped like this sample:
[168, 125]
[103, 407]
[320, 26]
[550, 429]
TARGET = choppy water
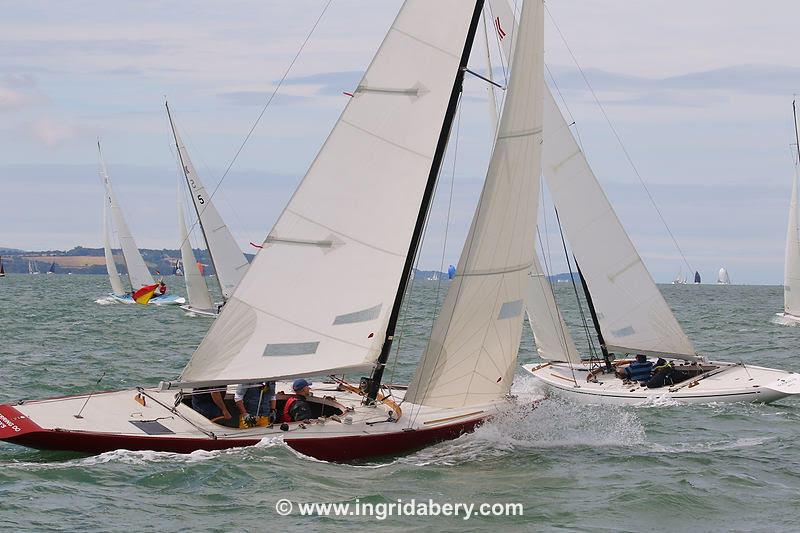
[706, 468]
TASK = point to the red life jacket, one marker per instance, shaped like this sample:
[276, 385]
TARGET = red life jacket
[286, 416]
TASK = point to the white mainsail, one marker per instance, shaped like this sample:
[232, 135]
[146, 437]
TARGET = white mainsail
[138, 273]
[196, 288]
[471, 356]
[633, 315]
[791, 284]
[722, 277]
[318, 295]
[229, 261]
[111, 266]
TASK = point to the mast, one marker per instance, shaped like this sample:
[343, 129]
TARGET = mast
[196, 209]
[374, 381]
[595, 321]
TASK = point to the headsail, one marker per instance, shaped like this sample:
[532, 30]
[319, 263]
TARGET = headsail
[111, 266]
[196, 288]
[551, 335]
[472, 353]
[229, 261]
[696, 276]
[318, 295]
[137, 270]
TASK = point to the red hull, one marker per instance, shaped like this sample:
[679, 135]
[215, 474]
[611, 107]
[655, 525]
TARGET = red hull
[18, 429]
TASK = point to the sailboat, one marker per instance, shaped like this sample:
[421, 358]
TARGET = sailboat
[722, 277]
[627, 322]
[2, 268]
[230, 263]
[304, 308]
[697, 277]
[791, 283]
[680, 279]
[138, 274]
[196, 288]
[33, 268]
[52, 269]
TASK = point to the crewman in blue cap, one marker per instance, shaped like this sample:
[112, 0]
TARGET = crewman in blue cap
[297, 407]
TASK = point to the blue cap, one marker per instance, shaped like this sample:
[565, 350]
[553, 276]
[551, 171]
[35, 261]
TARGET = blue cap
[300, 383]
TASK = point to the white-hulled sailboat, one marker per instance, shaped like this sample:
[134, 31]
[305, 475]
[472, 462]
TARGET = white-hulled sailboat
[629, 313]
[305, 306]
[2, 268]
[791, 272]
[230, 263]
[723, 278]
[138, 274]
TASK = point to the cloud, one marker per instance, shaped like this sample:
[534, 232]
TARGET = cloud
[260, 98]
[695, 89]
[51, 132]
[18, 91]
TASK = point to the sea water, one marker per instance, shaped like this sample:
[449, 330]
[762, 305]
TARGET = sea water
[726, 467]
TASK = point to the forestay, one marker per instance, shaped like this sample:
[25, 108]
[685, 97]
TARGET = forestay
[318, 295]
[633, 316]
[196, 288]
[111, 266]
[791, 284]
[471, 356]
[138, 273]
[230, 264]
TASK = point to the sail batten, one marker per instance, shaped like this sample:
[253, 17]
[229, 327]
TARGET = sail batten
[362, 192]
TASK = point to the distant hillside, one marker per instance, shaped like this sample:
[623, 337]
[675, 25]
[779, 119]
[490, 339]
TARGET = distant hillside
[81, 260]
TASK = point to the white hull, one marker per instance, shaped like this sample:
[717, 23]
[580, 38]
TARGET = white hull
[114, 420]
[169, 299]
[785, 319]
[200, 312]
[734, 383]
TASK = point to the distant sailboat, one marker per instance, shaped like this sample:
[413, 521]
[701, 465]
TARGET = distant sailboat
[177, 270]
[2, 268]
[138, 274]
[696, 276]
[722, 277]
[680, 278]
[230, 263]
[33, 268]
[52, 269]
[791, 273]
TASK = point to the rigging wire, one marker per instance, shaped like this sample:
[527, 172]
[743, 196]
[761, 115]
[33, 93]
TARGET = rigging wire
[619, 139]
[593, 354]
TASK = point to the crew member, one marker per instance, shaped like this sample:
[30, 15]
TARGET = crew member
[297, 407]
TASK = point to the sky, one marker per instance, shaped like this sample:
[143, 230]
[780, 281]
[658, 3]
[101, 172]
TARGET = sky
[699, 92]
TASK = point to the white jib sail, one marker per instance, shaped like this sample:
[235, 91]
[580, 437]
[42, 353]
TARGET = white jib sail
[137, 269]
[229, 261]
[111, 266]
[471, 356]
[196, 288]
[553, 339]
[791, 284]
[633, 315]
[318, 295]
